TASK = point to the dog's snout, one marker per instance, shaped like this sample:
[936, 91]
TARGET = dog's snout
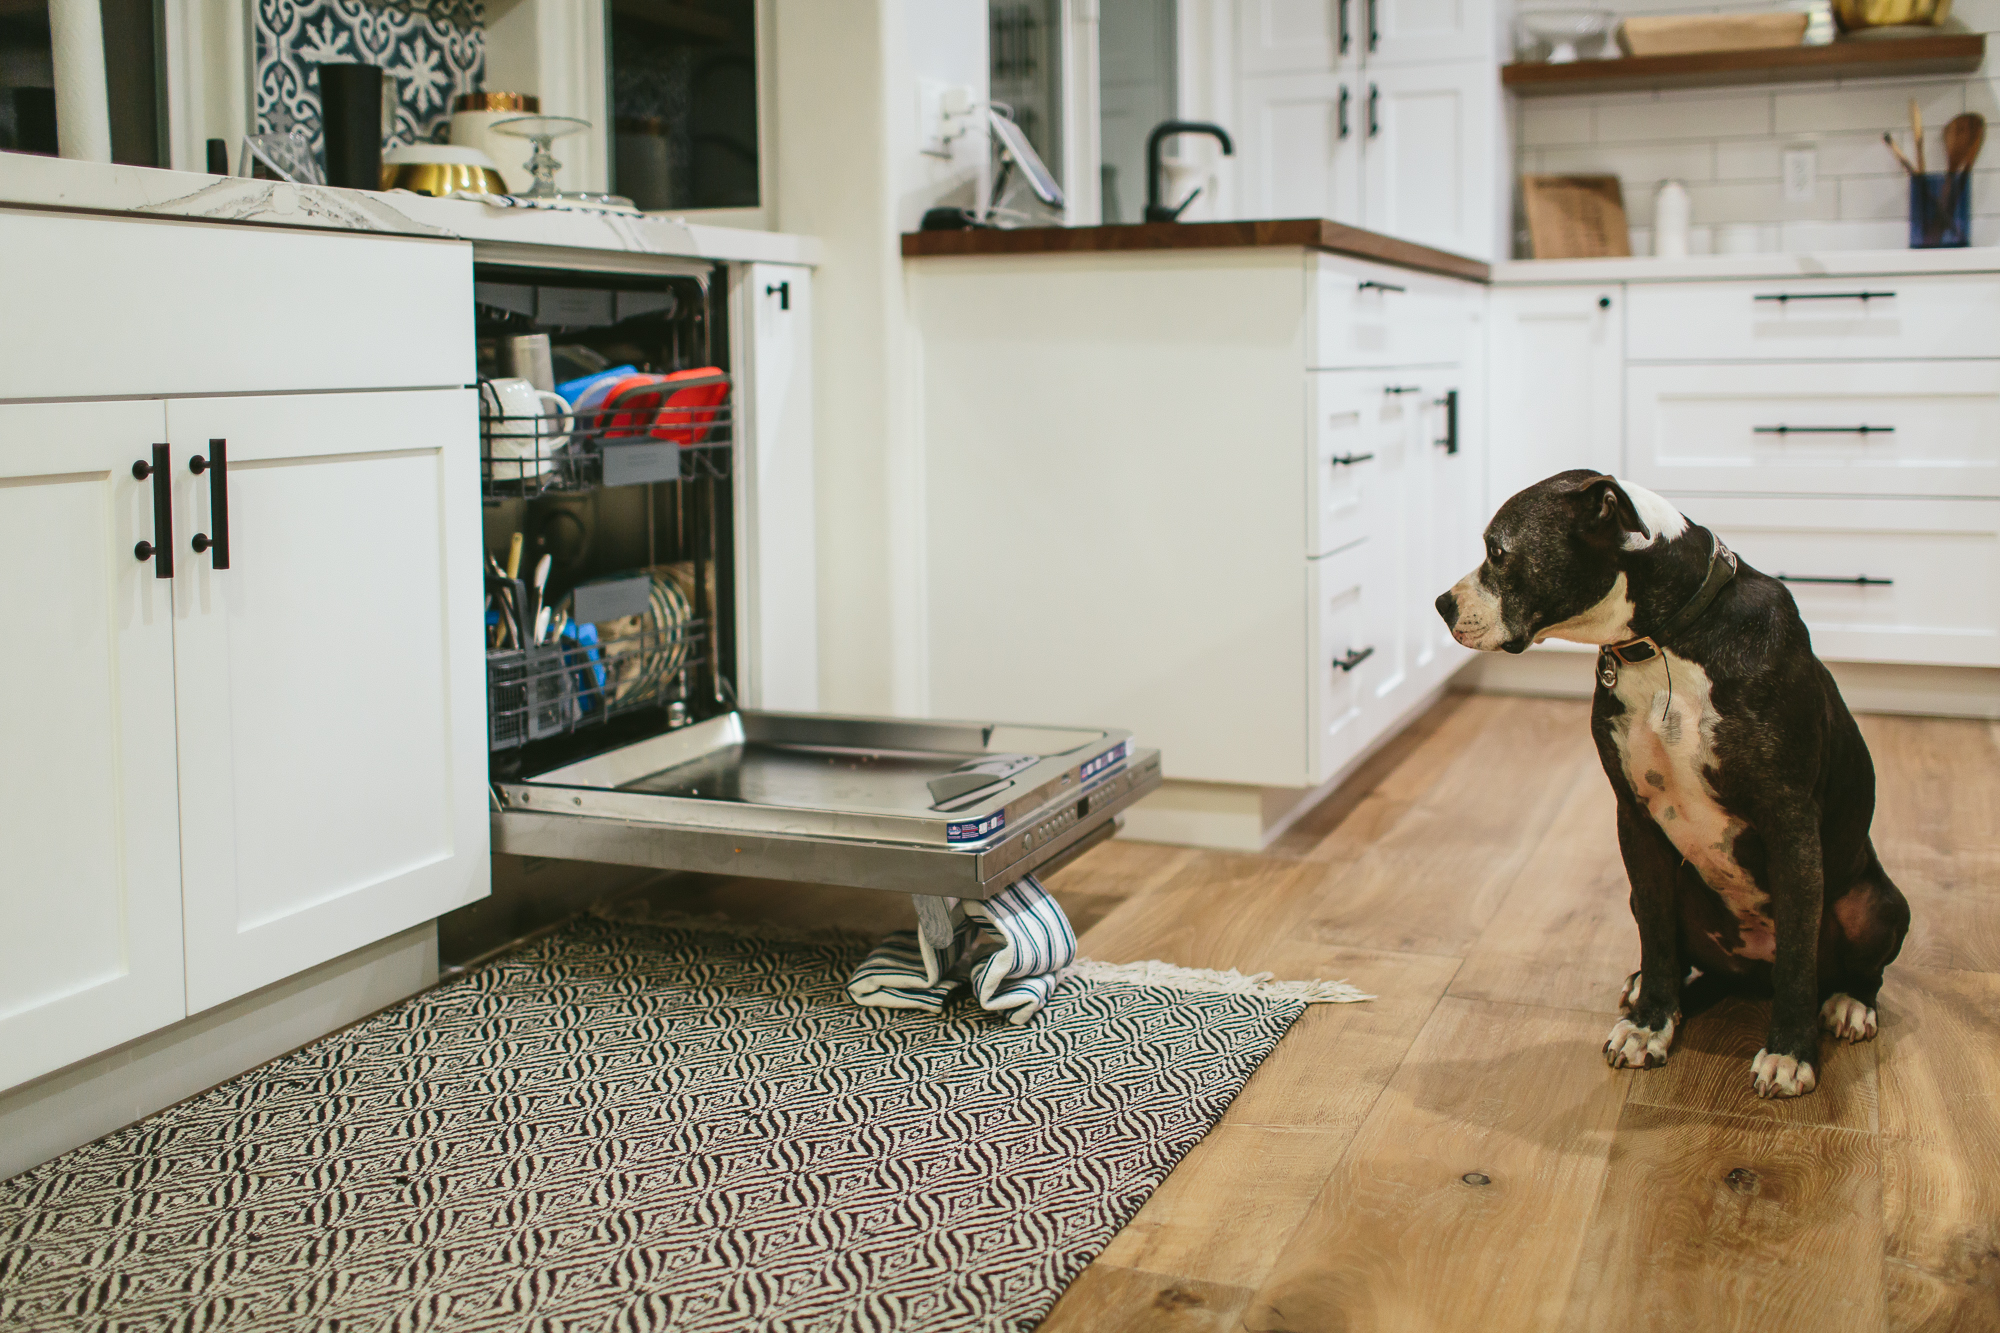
[1447, 606]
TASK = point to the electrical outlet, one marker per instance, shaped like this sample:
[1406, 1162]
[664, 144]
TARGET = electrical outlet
[1801, 174]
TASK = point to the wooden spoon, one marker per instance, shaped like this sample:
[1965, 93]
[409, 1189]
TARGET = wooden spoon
[1964, 136]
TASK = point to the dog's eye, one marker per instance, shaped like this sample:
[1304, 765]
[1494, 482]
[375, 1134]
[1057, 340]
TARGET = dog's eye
[1495, 552]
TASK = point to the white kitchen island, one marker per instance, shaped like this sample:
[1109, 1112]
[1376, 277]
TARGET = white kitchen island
[1203, 479]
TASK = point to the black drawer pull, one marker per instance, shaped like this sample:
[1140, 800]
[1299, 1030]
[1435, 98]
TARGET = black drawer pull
[161, 549]
[217, 467]
[1402, 388]
[1349, 460]
[1345, 98]
[1374, 26]
[783, 291]
[1858, 581]
[1355, 657]
[1374, 119]
[1450, 405]
[1823, 430]
[1782, 297]
[1345, 40]
[1379, 286]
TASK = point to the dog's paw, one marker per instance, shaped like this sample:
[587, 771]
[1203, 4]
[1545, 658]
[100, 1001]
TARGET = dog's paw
[1847, 1018]
[1632, 1047]
[1629, 996]
[1782, 1076]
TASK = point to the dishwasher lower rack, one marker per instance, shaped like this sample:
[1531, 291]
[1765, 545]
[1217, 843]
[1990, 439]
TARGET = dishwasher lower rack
[945, 809]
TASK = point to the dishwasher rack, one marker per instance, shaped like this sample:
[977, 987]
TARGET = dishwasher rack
[526, 457]
[543, 691]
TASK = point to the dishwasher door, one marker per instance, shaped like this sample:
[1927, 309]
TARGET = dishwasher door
[945, 809]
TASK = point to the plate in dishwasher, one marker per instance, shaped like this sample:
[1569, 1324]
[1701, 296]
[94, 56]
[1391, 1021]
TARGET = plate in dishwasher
[955, 809]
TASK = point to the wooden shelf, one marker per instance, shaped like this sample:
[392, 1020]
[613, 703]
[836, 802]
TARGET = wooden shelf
[1885, 58]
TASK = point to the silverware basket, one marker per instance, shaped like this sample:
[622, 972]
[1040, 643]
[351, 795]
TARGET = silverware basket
[554, 689]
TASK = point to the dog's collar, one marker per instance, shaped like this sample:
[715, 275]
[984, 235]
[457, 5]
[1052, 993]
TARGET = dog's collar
[1721, 569]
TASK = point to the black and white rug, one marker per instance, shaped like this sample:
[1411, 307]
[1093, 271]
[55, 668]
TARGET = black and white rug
[649, 1126]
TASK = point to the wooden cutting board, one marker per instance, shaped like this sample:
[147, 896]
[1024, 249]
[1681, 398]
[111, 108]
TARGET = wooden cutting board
[1576, 217]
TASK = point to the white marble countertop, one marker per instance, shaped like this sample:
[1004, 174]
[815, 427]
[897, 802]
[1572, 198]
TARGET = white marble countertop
[28, 181]
[1828, 264]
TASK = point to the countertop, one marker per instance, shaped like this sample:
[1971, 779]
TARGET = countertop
[28, 181]
[1308, 233]
[1696, 268]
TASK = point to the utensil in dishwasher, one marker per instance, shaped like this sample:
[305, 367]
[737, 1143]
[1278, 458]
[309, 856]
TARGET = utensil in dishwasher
[514, 556]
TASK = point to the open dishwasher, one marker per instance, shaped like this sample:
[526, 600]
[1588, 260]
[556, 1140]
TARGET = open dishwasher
[617, 606]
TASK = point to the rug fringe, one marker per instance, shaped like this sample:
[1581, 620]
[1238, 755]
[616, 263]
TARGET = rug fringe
[1156, 973]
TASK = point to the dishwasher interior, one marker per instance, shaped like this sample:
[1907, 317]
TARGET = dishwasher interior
[615, 730]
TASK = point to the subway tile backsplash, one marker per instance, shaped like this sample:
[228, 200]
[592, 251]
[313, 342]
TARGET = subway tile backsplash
[1727, 144]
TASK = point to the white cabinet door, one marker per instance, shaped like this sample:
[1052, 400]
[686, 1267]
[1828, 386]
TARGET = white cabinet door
[90, 880]
[1301, 147]
[1429, 136]
[1345, 666]
[1415, 32]
[778, 587]
[330, 683]
[1297, 36]
[1556, 385]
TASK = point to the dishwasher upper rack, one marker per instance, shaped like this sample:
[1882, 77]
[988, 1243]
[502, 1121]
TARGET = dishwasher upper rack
[555, 689]
[522, 457]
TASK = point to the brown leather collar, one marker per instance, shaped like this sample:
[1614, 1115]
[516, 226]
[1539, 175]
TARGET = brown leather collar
[1721, 569]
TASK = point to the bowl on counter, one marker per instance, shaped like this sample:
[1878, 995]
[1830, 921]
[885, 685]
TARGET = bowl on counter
[1569, 34]
[441, 170]
[1862, 15]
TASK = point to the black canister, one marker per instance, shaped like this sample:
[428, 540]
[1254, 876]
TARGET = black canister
[350, 109]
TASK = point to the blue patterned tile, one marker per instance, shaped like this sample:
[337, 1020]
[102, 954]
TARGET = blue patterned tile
[434, 49]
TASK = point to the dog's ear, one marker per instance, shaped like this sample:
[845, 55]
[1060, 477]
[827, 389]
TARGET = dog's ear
[1607, 512]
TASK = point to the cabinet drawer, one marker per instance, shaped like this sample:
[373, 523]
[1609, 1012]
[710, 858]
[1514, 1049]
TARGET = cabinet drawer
[129, 308]
[1373, 315]
[1354, 439]
[1897, 428]
[1933, 571]
[1772, 320]
[1348, 657]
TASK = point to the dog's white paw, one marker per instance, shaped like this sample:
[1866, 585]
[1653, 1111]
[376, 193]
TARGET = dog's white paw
[1782, 1076]
[1632, 1047]
[1629, 996]
[1847, 1018]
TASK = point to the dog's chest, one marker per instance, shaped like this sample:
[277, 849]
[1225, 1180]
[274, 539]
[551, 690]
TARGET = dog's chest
[1665, 743]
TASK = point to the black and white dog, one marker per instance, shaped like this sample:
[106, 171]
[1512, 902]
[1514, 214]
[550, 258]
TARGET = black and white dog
[1744, 788]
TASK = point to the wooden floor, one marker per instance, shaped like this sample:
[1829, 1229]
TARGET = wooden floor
[1456, 1155]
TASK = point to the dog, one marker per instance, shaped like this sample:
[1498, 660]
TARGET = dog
[1745, 791]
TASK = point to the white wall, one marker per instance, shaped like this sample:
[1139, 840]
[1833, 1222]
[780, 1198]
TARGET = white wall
[849, 171]
[1725, 144]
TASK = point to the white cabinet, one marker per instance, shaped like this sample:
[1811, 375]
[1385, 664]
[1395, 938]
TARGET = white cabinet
[780, 611]
[90, 893]
[1555, 386]
[1385, 114]
[328, 681]
[223, 777]
[1428, 141]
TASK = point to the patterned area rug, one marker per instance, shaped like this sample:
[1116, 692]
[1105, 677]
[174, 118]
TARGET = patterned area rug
[647, 1126]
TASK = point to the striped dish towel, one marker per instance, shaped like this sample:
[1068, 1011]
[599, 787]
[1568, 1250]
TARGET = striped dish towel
[1010, 950]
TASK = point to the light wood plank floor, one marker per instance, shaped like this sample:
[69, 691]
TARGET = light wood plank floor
[1456, 1155]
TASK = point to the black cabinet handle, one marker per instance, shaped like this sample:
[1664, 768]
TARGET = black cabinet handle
[1603, 303]
[1783, 297]
[161, 549]
[783, 291]
[1450, 405]
[1859, 580]
[1371, 284]
[1345, 95]
[1374, 29]
[1354, 658]
[1823, 430]
[1345, 40]
[1349, 460]
[1374, 120]
[217, 467]
[1393, 389]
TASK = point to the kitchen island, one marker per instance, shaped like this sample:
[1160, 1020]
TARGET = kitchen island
[1204, 479]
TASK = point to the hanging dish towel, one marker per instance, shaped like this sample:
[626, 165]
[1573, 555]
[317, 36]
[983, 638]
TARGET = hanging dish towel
[1010, 949]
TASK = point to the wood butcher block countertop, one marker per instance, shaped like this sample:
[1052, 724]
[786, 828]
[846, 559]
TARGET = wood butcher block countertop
[1310, 233]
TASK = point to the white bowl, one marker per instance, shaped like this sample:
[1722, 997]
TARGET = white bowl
[439, 154]
[1564, 30]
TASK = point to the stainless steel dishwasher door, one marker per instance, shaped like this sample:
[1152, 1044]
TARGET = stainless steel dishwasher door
[946, 809]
